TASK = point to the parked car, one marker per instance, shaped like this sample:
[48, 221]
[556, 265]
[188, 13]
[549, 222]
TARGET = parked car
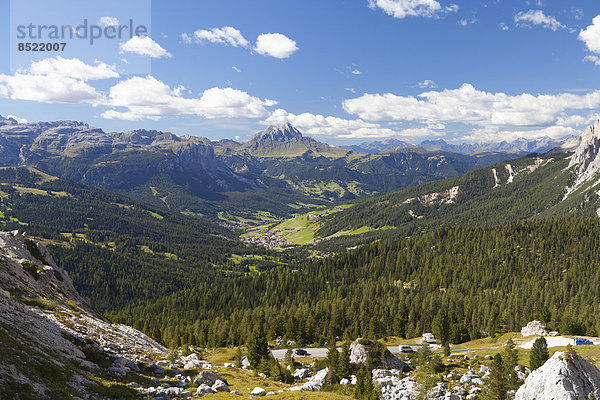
[581, 341]
[404, 348]
[301, 352]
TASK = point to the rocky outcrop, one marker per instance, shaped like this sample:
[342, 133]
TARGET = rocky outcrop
[315, 383]
[534, 328]
[381, 357]
[45, 321]
[585, 160]
[393, 387]
[565, 376]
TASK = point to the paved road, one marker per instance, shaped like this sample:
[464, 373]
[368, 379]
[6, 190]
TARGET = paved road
[321, 352]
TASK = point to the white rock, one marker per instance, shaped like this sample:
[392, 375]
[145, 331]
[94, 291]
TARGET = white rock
[534, 328]
[220, 386]
[301, 373]
[258, 391]
[208, 378]
[204, 389]
[344, 382]
[561, 379]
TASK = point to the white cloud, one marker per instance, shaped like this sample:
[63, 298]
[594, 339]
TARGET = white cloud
[57, 80]
[356, 72]
[145, 46]
[47, 89]
[592, 58]
[351, 90]
[149, 98]
[315, 124]
[275, 45]
[591, 35]
[18, 119]
[236, 69]
[468, 105]
[320, 125]
[427, 83]
[187, 39]
[537, 17]
[108, 21]
[226, 35]
[503, 26]
[418, 8]
[73, 68]
[554, 132]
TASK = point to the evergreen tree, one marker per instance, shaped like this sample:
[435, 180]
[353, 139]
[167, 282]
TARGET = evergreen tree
[289, 359]
[497, 383]
[364, 389]
[258, 348]
[511, 360]
[539, 353]
[333, 357]
[238, 357]
[441, 326]
[344, 367]
[447, 350]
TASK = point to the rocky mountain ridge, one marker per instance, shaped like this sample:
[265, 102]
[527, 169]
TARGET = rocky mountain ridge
[519, 146]
[47, 328]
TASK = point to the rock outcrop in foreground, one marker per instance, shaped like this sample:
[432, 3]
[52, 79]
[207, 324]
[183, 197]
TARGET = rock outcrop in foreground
[565, 376]
[50, 339]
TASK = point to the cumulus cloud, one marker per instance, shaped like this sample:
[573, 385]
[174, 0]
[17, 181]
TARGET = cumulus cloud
[226, 35]
[316, 124]
[275, 45]
[417, 8]
[73, 68]
[187, 39]
[356, 72]
[320, 125]
[592, 58]
[150, 98]
[591, 36]
[18, 119]
[56, 80]
[144, 46]
[108, 21]
[427, 83]
[503, 26]
[537, 17]
[471, 106]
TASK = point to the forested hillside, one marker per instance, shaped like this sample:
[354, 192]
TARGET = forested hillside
[488, 280]
[117, 250]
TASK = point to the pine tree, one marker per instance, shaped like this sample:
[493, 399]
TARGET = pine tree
[511, 360]
[258, 348]
[498, 386]
[289, 359]
[333, 357]
[344, 368]
[447, 350]
[539, 353]
[441, 326]
[238, 357]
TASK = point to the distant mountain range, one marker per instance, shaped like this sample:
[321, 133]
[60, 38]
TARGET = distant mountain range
[523, 146]
[277, 172]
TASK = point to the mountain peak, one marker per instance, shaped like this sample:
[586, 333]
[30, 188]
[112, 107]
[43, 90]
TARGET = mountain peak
[586, 159]
[282, 133]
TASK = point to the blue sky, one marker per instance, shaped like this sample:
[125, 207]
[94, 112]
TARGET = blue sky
[342, 71]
